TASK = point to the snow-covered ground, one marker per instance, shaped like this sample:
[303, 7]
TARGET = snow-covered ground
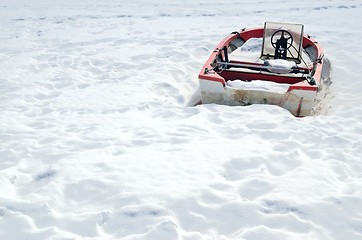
[98, 139]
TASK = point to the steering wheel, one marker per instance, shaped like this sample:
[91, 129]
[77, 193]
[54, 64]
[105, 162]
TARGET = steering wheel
[285, 36]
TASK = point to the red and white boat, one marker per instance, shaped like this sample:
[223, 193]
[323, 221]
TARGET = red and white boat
[275, 65]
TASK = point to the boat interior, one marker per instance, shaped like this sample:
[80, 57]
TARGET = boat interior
[278, 55]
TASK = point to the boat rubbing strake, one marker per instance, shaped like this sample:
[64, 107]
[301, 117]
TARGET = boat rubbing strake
[286, 73]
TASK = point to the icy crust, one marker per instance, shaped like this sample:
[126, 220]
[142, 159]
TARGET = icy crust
[259, 85]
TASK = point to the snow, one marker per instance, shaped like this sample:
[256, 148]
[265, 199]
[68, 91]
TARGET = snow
[259, 85]
[99, 139]
[281, 65]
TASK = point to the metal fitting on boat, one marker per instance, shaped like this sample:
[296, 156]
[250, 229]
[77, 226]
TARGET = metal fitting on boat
[310, 80]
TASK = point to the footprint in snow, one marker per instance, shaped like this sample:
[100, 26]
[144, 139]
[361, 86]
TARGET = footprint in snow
[46, 174]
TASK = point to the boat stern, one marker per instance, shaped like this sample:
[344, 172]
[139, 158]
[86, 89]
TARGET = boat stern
[298, 102]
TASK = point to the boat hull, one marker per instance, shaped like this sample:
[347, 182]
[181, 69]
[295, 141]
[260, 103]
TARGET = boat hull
[297, 102]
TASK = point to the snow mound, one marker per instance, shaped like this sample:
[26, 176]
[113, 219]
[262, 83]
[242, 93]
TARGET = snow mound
[280, 65]
[259, 85]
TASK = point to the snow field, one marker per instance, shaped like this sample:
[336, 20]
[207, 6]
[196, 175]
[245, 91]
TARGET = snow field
[98, 139]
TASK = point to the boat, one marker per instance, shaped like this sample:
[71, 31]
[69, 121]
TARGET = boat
[276, 64]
